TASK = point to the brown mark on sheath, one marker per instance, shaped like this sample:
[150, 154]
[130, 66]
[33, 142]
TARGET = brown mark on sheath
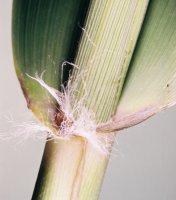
[59, 118]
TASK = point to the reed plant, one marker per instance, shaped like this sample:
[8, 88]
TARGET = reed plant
[88, 69]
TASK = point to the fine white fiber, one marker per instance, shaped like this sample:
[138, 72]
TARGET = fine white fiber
[64, 64]
[77, 120]
[22, 129]
[87, 35]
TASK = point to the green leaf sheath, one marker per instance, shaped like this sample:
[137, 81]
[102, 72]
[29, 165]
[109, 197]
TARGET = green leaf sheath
[70, 170]
[150, 84]
[106, 47]
[45, 33]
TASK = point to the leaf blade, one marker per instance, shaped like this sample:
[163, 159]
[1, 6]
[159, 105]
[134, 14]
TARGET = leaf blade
[44, 34]
[150, 85]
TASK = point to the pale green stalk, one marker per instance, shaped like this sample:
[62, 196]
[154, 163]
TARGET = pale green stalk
[106, 47]
[70, 170]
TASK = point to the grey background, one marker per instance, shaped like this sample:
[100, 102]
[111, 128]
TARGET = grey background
[142, 165]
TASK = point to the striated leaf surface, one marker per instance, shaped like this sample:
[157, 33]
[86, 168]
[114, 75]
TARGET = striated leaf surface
[150, 85]
[106, 47]
[45, 33]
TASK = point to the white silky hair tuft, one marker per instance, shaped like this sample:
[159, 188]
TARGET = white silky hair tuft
[78, 120]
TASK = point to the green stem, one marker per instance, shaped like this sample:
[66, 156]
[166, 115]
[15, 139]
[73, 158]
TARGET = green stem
[70, 169]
